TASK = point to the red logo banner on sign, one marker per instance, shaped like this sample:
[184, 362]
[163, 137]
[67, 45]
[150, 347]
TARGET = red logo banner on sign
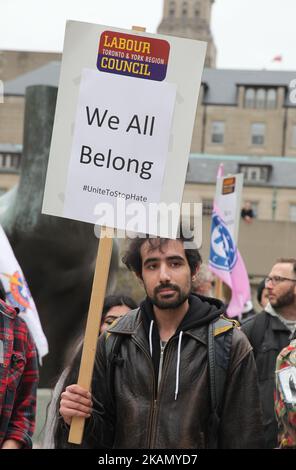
[133, 55]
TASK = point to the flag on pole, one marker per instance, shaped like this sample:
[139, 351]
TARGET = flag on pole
[227, 264]
[18, 293]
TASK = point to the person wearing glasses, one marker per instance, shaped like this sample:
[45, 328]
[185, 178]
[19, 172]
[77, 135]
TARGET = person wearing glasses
[269, 332]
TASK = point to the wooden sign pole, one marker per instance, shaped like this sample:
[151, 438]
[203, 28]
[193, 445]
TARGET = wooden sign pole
[139, 28]
[94, 318]
[93, 324]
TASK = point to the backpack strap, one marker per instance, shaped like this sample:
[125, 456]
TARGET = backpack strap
[113, 343]
[258, 328]
[219, 350]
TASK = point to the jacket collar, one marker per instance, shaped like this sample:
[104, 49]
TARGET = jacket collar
[131, 324]
[128, 324]
[278, 325]
[200, 334]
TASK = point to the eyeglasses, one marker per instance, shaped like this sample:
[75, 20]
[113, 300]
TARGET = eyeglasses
[275, 280]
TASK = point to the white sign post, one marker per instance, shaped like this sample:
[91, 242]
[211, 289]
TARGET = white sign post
[122, 132]
[228, 199]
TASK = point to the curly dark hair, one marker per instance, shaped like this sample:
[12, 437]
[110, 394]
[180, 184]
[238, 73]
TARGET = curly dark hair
[133, 260]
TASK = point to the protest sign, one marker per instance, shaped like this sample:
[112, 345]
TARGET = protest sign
[123, 125]
[122, 132]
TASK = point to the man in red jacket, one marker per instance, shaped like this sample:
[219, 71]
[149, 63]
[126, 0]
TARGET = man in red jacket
[18, 380]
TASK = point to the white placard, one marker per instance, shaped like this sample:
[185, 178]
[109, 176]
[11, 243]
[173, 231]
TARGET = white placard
[120, 145]
[229, 203]
[164, 82]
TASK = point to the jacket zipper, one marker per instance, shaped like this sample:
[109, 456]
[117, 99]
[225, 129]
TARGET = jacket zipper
[152, 433]
[162, 348]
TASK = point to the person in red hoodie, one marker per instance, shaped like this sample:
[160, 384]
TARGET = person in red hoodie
[18, 379]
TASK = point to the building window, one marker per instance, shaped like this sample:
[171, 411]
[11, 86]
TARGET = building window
[15, 161]
[260, 98]
[184, 9]
[207, 207]
[292, 212]
[255, 173]
[172, 9]
[217, 136]
[264, 173]
[2, 160]
[258, 133]
[9, 160]
[271, 99]
[250, 98]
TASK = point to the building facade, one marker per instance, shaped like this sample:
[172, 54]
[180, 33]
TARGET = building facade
[245, 117]
[16, 63]
[246, 112]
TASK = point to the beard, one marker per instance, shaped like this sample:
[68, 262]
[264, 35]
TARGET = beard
[167, 302]
[284, 300]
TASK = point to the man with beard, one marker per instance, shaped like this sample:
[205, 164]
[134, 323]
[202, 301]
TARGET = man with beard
[158, 394]
[269, 332]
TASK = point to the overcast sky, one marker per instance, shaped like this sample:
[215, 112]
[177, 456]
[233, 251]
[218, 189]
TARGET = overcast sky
[248, 33]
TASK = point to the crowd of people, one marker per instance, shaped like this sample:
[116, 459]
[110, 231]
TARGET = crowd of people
[173, 372]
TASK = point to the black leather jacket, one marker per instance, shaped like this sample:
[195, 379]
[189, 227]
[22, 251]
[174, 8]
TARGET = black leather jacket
[134, 413]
